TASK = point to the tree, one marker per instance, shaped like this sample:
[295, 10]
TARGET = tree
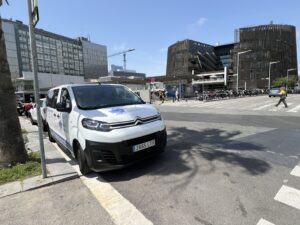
[283, 81]
[12, 149]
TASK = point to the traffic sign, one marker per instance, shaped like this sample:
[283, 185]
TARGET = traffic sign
[35, 12]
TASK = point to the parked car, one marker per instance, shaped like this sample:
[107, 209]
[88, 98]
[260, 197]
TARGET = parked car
[27, 107]
[104, 126]
[33, 113]
[274, 92]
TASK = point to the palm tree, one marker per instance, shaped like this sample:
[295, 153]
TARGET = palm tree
[12, 148]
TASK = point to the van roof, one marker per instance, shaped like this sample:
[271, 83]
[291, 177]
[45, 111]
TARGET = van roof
[80, 85]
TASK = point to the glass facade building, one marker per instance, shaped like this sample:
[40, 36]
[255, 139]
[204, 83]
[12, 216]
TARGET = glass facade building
[56, 54]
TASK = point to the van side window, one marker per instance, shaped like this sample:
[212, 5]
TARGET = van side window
[52, 98]
[65, 98]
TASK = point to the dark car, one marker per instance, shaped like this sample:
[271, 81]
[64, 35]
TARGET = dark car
[274, 92]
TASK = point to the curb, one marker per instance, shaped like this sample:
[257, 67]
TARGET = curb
[13, 184]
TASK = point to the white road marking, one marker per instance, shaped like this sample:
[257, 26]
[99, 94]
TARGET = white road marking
[251, 106]
[295, 109]
[271, 152]
[289, 196]
[281, 107]
[296, 171]
[119, 208]
[264, 106]
[264, 222]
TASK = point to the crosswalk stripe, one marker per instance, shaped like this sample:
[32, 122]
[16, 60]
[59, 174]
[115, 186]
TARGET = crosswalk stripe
[295, 109]
[289, 196]
[275, 109]
[264, 222]
[296, 171]
[264, 106]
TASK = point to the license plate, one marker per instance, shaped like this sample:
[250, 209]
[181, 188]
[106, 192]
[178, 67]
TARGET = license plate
[143, 146]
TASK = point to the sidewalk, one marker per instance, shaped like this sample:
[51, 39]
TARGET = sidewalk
[57, 168]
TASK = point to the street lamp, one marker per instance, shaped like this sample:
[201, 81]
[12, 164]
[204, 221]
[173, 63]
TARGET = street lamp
[237, 70]
[269, 84]
[287, 76]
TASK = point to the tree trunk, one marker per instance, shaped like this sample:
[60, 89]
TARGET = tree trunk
[12, 148]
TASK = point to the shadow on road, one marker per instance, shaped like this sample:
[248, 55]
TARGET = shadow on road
[191, 152]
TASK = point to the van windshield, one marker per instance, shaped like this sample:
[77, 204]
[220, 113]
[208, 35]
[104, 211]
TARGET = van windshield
[102, 96]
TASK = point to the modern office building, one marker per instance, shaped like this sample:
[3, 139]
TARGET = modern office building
[261, 50]
[272, 50]
[60, 59]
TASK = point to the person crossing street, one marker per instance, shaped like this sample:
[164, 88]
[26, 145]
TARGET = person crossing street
[282, 94]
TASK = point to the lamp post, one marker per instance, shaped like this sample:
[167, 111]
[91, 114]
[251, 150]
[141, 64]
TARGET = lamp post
[270, 64]
[287, 76]
[237, 70]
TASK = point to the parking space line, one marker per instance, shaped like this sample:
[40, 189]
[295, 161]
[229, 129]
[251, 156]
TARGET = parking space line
[264, 222]
[119, 208]
[296, 171]
[289, 196]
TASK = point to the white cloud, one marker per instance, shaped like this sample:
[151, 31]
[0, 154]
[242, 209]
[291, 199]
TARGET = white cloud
[193, 27]
[200, 22]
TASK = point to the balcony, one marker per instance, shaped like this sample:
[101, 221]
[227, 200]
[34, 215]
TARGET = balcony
[209, 81]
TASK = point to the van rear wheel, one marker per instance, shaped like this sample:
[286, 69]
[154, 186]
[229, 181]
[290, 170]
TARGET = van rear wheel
[82, 162]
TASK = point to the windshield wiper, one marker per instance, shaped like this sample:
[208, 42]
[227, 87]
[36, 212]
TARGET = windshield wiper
[89, 107]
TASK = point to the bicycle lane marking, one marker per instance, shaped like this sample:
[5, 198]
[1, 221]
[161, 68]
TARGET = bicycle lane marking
[119, 208]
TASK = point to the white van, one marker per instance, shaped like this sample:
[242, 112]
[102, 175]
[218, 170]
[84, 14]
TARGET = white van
[104, 126]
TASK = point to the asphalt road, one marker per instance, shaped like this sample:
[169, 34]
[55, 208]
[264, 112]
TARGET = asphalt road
[218, 169]
[226, 163]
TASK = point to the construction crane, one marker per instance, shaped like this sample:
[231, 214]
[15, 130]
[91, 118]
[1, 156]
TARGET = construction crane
[124, 56]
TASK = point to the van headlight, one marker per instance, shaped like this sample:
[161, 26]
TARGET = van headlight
[159, 116]
[95, 125]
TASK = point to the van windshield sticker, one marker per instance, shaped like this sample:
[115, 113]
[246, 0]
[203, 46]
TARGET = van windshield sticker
[117, 110]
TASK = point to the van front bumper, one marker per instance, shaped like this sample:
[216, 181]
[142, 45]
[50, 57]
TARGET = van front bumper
[109, 156]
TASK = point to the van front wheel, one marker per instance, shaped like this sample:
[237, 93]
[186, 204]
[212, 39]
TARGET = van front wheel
[82, 162]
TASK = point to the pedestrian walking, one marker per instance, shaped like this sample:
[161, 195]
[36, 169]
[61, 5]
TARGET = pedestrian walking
[177, 95]
[282, 94]
[162, 96]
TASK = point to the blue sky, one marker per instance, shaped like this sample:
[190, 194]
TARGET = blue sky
[151, 26]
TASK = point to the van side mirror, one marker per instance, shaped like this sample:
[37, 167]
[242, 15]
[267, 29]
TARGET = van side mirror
[61, 107]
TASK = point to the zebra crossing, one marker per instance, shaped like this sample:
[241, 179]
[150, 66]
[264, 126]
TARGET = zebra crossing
[287, 195]
[260, 103]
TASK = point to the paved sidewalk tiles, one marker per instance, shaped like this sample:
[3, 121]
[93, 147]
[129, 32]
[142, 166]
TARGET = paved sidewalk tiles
[58, 170]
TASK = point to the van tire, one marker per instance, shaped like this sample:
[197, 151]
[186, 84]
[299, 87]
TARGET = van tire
[50, 135]
[82, 162]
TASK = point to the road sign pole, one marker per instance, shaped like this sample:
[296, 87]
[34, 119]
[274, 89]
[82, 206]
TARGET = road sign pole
[36, 85]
